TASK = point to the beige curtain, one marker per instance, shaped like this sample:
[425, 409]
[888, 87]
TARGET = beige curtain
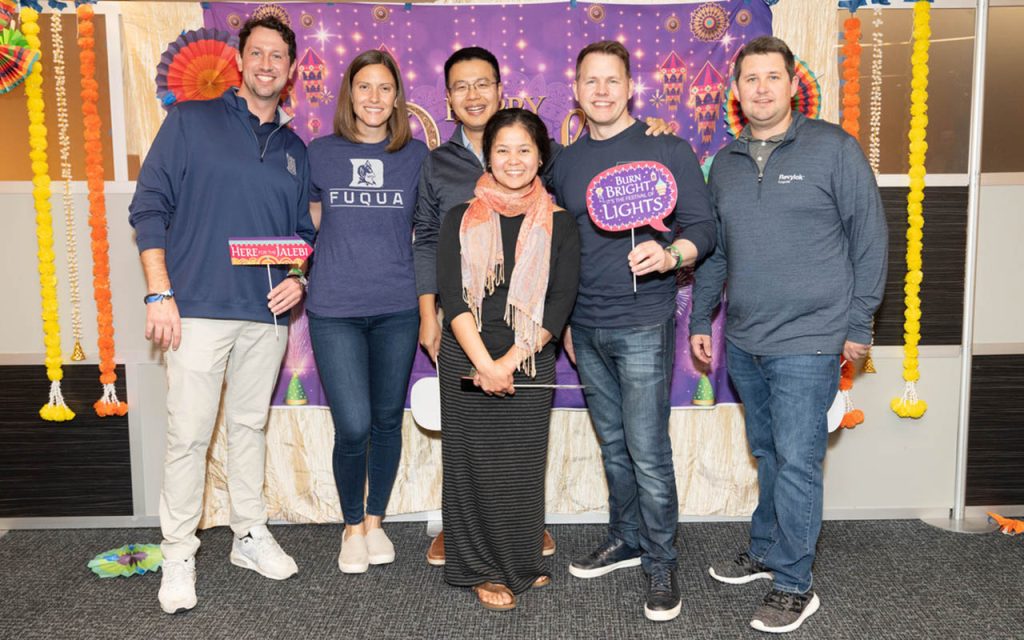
[715, 474]
[146, 30]
[809, 27]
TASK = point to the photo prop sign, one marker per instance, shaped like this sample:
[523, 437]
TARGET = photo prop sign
[269, 250]
[632, 195]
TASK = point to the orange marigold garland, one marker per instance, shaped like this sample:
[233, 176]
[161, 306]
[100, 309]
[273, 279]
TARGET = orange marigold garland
[108, 405]
[55, 410]
[851, 416]
[851, 124]
[851, 76]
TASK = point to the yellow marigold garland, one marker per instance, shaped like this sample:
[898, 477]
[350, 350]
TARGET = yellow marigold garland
[108, 405]
[909, 405]
[70, 235]
[55, 410]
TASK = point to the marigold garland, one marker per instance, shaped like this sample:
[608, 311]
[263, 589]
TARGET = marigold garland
[909, 405]
[851, 415]
[55, 410]
[70, 235]
[875, 102]
[851, 76]
[109, 404]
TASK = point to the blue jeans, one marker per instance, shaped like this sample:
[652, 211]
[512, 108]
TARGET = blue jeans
[786, 400]
[627, 373]
[364, 365]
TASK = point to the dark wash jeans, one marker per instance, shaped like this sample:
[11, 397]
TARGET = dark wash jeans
[628, 373]
[364, 365]
[786, 401]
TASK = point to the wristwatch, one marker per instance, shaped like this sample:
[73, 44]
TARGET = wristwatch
[674, 252]
[157, 297]
[301, 277]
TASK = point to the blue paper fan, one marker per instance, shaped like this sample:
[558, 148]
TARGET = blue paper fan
[129, 560]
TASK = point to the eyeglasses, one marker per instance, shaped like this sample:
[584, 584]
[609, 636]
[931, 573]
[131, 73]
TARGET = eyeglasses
[461, 89]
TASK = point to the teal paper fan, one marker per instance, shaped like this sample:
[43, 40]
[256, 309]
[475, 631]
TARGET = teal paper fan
[128, 560]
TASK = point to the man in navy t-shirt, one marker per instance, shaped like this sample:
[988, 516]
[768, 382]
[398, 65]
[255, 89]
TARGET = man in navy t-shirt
[623, 338]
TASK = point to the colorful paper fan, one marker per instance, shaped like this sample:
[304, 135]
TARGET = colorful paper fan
[129, 560]
[807, 100]
[8, 9]
[16, 59]
[199, 65]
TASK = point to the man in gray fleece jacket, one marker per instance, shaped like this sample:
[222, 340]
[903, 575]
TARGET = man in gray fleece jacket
[802, 247]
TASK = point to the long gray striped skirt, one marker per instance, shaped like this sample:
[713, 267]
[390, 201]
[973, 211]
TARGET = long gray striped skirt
[494, 455]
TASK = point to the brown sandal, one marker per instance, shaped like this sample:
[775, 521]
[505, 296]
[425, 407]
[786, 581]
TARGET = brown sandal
[492, 587]
[541, 581]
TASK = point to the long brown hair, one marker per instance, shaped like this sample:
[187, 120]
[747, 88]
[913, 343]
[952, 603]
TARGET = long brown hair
[399, 131]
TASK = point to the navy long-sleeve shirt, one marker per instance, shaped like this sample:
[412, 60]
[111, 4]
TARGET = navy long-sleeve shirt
[606, 296]
[210, 176]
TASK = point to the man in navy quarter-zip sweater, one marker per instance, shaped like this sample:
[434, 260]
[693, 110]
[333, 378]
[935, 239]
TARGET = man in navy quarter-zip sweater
[228, 167]
[801, 247]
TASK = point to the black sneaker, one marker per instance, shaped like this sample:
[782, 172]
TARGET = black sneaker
[663, 601]
[611, 555]
[740, 570]
[782, 612]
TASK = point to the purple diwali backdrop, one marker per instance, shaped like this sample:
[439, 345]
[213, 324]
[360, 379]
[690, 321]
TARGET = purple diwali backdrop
[681, 56]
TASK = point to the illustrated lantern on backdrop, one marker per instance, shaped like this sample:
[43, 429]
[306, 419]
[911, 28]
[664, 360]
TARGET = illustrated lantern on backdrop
[706, 95]
[673, 79]
[312, 70]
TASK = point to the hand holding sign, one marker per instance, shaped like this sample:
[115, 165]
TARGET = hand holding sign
[289, 251]
[632, 195]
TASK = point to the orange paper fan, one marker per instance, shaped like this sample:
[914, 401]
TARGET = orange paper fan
[199, 65]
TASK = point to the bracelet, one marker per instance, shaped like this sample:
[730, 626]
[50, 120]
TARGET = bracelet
[159, 296]
[674, 252]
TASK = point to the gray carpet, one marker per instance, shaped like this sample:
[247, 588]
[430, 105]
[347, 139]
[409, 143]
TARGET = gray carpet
[880, 579]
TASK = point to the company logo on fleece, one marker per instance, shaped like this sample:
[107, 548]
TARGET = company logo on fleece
[292, 168]
[367, 173]
[786, 178]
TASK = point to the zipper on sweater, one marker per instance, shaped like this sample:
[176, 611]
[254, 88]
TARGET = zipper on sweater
[263, 151]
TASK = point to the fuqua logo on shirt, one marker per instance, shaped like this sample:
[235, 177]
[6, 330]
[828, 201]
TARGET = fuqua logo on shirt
[292, 168]
[367, 173]
[786, 178]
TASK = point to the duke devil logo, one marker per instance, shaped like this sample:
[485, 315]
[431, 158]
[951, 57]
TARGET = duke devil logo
[367, 173]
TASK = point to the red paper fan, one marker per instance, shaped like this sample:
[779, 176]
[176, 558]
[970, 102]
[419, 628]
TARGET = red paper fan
[8, 9]
[199, 65]
[807, 99]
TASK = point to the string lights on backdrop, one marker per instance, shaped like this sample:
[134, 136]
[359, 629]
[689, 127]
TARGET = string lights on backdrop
[108, 404]
[55, 410]
[909, 405]
[70, 234]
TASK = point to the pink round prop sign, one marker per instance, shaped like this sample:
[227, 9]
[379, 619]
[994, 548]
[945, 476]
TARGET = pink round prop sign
[632, 195]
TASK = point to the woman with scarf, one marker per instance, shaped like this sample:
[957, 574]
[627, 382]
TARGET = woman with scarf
[508, 268]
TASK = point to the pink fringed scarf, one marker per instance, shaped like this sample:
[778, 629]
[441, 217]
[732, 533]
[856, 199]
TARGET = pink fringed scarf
[483, 260]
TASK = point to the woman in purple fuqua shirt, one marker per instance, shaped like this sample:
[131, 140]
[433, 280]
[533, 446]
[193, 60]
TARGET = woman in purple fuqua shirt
[362, 306]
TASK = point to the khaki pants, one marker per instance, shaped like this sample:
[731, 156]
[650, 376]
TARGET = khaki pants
[248, 357]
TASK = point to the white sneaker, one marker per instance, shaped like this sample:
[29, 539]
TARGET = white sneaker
[353, 556]
[379, 547]
[177, 585]
[260, 552]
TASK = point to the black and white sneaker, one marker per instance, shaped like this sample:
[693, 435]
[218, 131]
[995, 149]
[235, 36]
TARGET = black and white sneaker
[782, 612]
[613, 554]
[740, 570]
[663, 602]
